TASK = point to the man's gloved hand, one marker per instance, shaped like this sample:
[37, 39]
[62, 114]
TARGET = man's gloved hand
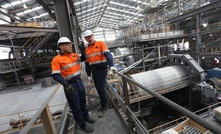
[82, 47]
[90, 79]
[68, 88]
[113, 69]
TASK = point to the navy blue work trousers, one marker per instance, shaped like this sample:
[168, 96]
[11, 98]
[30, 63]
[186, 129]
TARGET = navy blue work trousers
[99, 78]
[77, 102]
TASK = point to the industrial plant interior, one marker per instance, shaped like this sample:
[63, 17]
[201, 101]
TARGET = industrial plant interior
[167, 55]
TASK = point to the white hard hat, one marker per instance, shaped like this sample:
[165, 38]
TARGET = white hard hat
[87, 33]
[63, 40]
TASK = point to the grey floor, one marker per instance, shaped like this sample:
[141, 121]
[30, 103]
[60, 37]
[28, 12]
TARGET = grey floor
[27, 102]
[109, 124]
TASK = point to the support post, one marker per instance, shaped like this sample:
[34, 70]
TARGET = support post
[48, 121]
[198, 38]
[127, 100]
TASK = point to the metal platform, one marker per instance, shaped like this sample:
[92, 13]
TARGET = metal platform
[111, 123]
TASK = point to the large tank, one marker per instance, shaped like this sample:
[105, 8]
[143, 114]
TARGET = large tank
[162, 80]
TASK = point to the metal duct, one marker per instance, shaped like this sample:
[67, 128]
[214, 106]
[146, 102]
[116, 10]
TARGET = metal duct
[129, 60]
[168, 78]
[121, 51]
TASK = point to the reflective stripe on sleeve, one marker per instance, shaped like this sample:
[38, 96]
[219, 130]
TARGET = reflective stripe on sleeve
[56, 71]
[106, 51]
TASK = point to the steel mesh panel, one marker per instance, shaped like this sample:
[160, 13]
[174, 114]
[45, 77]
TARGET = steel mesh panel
[93, 100]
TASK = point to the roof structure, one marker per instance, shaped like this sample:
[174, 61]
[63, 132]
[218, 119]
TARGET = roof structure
[90, 13]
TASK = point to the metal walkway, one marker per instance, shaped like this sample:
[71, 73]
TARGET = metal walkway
[111, 123]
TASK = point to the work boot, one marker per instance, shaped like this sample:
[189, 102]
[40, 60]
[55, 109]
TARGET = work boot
[90, 120]
[86, 128]
[102, 111]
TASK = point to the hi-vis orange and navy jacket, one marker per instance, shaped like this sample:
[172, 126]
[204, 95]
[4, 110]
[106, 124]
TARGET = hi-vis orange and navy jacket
[97, 56]
[66, 66]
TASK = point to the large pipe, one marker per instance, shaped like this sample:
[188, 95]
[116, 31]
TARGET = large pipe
[177, 107]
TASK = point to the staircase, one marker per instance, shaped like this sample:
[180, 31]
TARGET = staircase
[37, 45]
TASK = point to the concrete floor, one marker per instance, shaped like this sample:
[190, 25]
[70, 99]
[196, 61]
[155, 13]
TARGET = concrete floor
[27, 102]
[109, 124]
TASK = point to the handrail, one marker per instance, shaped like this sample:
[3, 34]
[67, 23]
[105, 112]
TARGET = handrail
[32, 42]
[136, 121]
[27, 41]
[175, 106]
[20, 121]
[41, 110]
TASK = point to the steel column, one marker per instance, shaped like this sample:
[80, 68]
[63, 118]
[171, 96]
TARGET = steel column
[63, 19]
[76, 27]
[198, 37]
[143, 60]
[46, 8]
[159, 56]
[179, 9]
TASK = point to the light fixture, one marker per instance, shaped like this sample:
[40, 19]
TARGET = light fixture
[138, 7]
[24, 5]
[204, 24]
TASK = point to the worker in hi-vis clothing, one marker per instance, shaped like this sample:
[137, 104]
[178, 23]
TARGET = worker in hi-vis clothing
[66, 70]
[98, 60]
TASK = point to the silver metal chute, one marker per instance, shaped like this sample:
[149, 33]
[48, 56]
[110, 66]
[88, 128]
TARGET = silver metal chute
[129, 60]
[162, 80]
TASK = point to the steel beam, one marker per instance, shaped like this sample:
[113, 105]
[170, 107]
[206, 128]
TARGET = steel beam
[11, 16]
[63, 19]
[203, 54]
[202, 9]
[46, 9]
[22, 28]
[22, 35]
[103, 12]
[76, 27]
[5, 20]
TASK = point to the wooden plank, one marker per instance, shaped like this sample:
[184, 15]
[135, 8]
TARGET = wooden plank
[48, 121]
